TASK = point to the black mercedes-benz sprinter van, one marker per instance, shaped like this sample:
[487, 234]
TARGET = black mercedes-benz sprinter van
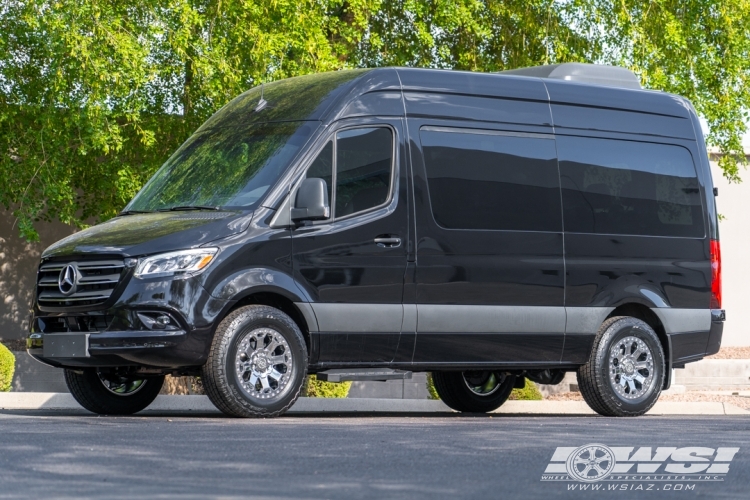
[487, 228]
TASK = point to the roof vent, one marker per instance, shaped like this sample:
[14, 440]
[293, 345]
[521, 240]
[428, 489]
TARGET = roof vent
[597, 74]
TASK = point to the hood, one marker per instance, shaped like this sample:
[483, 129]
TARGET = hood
[143, 234]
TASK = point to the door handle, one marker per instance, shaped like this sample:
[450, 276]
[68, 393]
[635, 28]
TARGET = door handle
[388, 242]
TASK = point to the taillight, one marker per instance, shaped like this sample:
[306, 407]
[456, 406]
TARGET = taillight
[715, 274]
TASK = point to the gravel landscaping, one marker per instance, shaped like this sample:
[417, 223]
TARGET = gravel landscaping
[732, 353]
[688, 397]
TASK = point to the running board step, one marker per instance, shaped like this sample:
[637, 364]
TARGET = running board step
[367, 374]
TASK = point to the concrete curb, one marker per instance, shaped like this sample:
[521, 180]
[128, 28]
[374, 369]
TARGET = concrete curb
[59, 401]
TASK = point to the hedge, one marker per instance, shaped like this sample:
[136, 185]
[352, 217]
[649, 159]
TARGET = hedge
[530, 392]
[7, 367]
[314, 388]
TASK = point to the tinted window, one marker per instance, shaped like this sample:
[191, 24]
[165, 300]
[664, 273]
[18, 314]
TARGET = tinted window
[491, 181]
[624, 187]
[364, 159]
[230, 165]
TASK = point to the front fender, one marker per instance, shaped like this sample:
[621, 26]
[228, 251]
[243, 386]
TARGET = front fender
[242, 283]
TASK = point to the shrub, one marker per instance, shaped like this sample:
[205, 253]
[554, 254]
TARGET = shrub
[431, 387]
[314, 388]
[528, 393]
[7, 367]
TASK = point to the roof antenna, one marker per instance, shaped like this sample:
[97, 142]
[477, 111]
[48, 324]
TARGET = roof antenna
[262, 103]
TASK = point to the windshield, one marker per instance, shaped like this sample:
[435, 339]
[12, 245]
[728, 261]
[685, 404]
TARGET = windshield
[225, 166]
[240, 152]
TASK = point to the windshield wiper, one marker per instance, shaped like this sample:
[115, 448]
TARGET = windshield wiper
[131, 212]
[188, 207]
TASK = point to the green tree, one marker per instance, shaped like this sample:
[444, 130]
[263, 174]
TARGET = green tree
[95, 95]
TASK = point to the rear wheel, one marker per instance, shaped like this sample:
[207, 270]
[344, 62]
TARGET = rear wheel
[257, 363]
[625, 373]
[473, 391]
[112, 393]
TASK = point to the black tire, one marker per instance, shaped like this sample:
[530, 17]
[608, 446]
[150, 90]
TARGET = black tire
[605, 387]
[454, 391]
[90, 391]
[222, 383]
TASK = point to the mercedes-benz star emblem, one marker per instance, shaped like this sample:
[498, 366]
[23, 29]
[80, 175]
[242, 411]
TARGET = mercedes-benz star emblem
[68, 280]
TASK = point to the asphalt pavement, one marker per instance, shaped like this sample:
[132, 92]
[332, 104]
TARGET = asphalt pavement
[73, 454]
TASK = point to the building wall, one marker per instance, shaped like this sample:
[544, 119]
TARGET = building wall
[18, 264]
[734, 231]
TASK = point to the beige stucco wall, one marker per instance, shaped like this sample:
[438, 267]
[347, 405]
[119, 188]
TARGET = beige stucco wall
[18, 263]
[734, 232]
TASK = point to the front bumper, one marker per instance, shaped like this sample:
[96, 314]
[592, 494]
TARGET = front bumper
[161, 349]
[116, 334]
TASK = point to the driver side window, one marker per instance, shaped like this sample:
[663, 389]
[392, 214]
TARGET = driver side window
[359, 163]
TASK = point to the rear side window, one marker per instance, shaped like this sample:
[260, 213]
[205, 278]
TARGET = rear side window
[489, 180]
[625, 187]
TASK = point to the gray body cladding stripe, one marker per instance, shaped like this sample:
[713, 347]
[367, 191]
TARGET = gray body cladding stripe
[489, 319]
[450, 318]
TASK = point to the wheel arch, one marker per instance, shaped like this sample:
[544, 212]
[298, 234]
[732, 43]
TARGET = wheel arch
[284, 303]
[265, 286]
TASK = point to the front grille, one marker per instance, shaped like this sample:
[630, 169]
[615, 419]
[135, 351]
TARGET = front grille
[58, 324]
[96, 280]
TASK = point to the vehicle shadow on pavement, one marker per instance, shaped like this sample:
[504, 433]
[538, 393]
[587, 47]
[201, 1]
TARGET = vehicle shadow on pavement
[51, 413]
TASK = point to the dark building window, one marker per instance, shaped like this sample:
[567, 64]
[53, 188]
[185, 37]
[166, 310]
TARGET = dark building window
[626, 187]
[486, 180]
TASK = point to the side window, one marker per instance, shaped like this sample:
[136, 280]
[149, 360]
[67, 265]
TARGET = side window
[625, 187]
[322, 167]
[361, 171]
[485, 180]
[364, 164]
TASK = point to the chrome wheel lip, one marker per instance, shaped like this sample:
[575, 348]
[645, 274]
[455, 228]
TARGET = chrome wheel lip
[264, 365]
[113, 387]
[631, 368]
[476, 389]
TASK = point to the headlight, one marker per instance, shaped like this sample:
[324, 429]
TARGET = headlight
[184, 262]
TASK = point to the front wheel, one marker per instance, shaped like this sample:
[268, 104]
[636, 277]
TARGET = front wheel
[625, 372]
[257, 363]
[110, 393]
[473, 391]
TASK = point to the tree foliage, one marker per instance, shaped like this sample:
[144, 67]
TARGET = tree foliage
[95, 95]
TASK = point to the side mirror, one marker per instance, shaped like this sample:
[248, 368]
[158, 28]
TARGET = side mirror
[311, 202]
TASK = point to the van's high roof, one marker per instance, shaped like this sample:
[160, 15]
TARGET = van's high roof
[568, 102]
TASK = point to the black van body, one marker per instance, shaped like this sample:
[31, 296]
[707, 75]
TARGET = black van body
[448, 269]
